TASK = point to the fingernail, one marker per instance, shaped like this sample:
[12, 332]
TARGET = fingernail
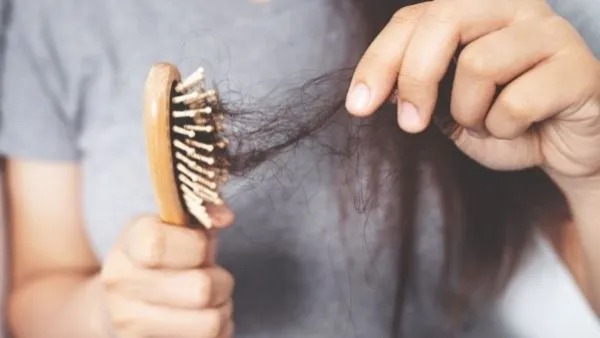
[359, 98]
[409, 118]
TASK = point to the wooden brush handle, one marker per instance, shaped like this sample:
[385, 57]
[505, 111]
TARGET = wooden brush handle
[157, 125]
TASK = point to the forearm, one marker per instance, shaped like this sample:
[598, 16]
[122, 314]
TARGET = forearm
[584, 200]
[57, 306]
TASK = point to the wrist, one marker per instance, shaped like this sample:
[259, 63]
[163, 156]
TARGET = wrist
[578, 189]
[583, 197]
[100, 323]
[59, 305]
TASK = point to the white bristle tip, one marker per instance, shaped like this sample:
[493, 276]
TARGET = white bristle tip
[195, 78]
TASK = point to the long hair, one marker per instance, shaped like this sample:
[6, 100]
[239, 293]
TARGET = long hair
[488, 216]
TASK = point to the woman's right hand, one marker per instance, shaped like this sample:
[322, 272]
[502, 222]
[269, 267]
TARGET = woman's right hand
[160, 282]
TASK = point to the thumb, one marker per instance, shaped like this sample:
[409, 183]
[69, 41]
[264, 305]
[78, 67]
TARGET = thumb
[500, 154]
[211, 254]
[221, 217]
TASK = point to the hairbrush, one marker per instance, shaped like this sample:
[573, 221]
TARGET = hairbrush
[183, 123]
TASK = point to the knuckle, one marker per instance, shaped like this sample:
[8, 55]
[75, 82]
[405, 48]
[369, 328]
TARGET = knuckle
[473, 61]
[375, 66]
[466, 120]
[559, 26]
[112, 271]
[533, 9]
[407, 14]
[442, 12]
[204, 285]
[373, 58]
[408, 80]
[515, 106]
[149, 244]
[502, 131]
[109, 279]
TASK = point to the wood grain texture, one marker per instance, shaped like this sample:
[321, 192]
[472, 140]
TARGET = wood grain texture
[157, 102]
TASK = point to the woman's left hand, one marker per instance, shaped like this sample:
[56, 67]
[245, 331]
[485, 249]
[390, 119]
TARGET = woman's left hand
[548, 112]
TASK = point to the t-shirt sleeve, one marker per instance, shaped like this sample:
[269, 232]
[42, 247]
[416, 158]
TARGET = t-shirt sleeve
[37, 117]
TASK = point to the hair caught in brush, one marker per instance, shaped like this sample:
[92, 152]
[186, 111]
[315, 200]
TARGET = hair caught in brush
[488, 216]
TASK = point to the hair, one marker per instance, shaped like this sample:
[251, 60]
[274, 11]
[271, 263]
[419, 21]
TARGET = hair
[488, 216]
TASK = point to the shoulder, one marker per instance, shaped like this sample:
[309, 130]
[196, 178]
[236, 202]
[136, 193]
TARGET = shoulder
[42, 67]
[60, 22]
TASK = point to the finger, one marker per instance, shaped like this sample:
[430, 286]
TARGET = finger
[443, 26]
[220, 215]
[226, 314]
[524, 151]
[215, 322]
[557, 85]
[498, 58]
[212, 248]
[228, 331]
[139, 319]
[376, 73]
[152, 244]
[192, 289]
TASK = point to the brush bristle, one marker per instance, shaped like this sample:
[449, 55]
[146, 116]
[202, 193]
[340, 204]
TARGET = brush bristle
[199, 150]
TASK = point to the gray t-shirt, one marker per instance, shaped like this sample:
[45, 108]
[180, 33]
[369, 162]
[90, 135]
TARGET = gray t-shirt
[75, 77]
[73, 86]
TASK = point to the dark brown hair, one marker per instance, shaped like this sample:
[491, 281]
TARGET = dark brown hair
[488, 216]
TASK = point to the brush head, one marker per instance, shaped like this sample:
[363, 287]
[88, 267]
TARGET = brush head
[187, 152]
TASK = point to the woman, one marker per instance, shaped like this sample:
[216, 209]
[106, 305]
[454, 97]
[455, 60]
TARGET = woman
[76, 169]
